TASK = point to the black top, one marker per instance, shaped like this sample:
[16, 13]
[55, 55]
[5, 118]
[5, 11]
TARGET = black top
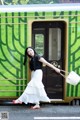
[35, 63]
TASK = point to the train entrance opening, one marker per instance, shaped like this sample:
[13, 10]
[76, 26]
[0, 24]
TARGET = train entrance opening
[49, 40]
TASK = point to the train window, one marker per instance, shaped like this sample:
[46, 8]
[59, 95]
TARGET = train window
[54, 43]
[38, 37]
[39, 43]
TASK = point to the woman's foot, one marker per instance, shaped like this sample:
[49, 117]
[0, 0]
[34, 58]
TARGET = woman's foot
[16, 102]
[35, 107]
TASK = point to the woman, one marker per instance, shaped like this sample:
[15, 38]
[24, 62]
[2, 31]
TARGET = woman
[35, 92]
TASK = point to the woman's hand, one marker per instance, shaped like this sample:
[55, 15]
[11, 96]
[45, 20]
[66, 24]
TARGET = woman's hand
[57, 70]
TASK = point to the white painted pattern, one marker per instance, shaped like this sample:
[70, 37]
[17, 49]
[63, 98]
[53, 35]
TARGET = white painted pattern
[57, 118]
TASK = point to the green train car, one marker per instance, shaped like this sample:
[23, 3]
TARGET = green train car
[54, 32]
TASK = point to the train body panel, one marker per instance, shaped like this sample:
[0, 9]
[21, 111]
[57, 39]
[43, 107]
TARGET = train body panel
[45, 28]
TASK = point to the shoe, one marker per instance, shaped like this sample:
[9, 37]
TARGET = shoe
[16, 102]
[35, 107]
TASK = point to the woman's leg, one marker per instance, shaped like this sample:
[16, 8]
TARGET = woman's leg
[16, 102]
[36, 106]
[21, 98]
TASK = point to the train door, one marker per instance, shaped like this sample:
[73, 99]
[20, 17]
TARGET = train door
[48, 39]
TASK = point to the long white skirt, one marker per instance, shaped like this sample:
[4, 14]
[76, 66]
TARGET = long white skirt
[34, 92]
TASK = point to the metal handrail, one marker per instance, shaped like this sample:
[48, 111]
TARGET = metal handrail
[7, 85]
[38, 16]
[13, 79]
[11, 90]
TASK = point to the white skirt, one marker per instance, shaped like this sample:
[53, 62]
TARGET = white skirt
[34, 92]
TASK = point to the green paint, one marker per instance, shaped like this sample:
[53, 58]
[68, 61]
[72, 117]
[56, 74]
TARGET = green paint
[14, 30]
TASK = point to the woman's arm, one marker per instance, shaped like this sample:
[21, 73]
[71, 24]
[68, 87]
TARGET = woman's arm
[49, 64]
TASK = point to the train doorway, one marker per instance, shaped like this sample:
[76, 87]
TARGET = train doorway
[49, 40]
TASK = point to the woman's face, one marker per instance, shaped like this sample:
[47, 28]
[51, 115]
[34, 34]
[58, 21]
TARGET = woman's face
[30, 52]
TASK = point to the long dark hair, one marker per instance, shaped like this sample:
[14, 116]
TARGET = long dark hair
[26, 54]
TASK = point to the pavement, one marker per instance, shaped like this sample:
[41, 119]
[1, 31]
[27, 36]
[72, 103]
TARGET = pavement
[46, 112]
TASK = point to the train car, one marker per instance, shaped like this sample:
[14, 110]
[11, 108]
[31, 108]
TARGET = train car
[53, 30]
